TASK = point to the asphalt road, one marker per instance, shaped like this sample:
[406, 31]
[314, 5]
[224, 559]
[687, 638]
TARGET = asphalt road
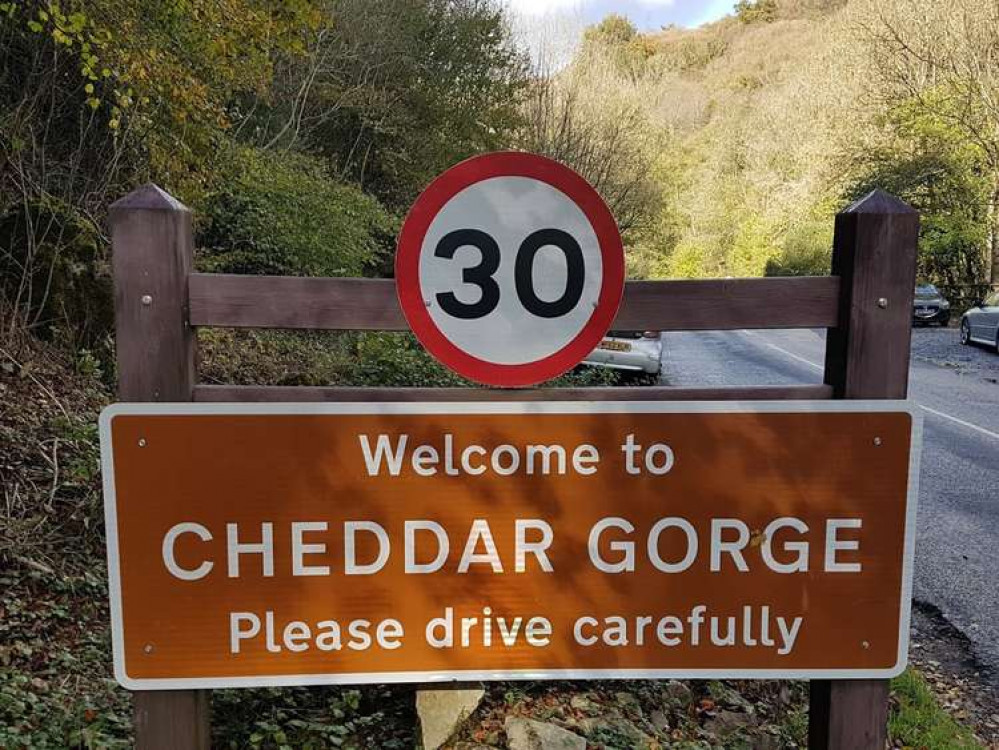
[957, 547]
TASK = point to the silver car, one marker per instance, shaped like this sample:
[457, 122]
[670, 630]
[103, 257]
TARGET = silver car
[980, 325]
[629, 351]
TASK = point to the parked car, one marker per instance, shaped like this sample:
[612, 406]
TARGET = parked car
[629, 351]
[980, 325]
[929, 306]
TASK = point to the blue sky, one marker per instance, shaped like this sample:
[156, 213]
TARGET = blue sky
[645, 14]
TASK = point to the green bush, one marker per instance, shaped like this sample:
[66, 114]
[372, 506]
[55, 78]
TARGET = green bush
[398, 360]
[751, 249]
[805, 250]
[313, 718]
[336, 358]
[753, 11]
[281, 213]
[950, 250]
[54, 272]
[53, 698]
[268, 357]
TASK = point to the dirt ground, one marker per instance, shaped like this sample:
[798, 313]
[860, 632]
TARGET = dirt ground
[943, 655]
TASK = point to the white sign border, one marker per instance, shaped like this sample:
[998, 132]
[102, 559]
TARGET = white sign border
[502, 407]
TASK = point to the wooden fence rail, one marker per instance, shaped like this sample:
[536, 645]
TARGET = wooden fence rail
[222, 300]
[258, 393]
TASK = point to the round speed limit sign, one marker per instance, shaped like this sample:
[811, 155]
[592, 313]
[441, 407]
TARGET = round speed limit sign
[510, 269]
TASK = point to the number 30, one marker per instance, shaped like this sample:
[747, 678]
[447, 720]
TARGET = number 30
[481, 275]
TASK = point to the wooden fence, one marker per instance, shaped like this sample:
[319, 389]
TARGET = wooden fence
[866, 304]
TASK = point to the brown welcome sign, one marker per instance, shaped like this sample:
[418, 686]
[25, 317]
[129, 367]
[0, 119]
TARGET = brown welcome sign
[343, 543]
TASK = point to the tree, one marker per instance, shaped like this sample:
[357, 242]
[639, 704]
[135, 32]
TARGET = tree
[616, 39]
[753, 11]
[99, 95]
[938, 59]
[396, 91]
[929, 163]
[572, 119]
[614, 29]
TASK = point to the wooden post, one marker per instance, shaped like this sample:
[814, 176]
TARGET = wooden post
[152, 256]
[867, 356]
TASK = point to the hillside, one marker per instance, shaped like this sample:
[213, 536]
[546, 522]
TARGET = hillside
[767, 123]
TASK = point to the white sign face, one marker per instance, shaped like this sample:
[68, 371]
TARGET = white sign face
[510, 269]
[544, 294]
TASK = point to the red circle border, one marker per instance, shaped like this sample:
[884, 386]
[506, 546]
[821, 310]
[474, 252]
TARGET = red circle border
[429, 204]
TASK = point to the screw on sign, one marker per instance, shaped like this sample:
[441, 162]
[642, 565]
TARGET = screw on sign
[510, 269]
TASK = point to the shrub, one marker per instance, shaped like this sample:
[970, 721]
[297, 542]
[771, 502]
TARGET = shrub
[686, 261]
[805, 250]
[752, 11]
[398, 360]
[267, 357]
[336, 358]
[54, 272]
[281, 213]
[751, 249]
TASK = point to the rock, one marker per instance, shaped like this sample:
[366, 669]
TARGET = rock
[627, 700]
[442, 712]
[660, 721]
[582, 702]
[526, 734]
[678, 694]
[727, 722]
[728, 696]
[766, 742]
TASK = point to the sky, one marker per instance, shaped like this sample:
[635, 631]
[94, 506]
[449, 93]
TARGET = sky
[550, 30]
[645, 14]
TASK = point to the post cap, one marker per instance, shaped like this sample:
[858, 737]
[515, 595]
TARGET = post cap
[880, 202]
[149, 197]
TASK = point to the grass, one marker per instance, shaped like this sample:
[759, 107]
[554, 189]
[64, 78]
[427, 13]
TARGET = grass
[918, 721]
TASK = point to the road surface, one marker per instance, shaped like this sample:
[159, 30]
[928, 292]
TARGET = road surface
[957, 546]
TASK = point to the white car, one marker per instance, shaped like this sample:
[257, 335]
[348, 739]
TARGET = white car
[629, 351]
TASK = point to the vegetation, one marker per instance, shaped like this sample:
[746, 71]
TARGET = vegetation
[918, 721]
[56, 688]
[323, 358]
[392, 93]
[723, 151]
[300, 132]
[746, 136]
[281, 214]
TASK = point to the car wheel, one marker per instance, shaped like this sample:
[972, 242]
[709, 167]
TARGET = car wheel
[965, 333]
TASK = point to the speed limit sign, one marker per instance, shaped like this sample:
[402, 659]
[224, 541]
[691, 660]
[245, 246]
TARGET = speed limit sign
[509, 269]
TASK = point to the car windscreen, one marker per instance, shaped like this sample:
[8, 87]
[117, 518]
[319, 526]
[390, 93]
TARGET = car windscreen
[927, 291]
